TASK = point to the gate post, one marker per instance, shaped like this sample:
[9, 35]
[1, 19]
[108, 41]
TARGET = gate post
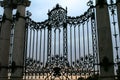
[5, 39]
[104, 41]
[118, 12]
[19, 40]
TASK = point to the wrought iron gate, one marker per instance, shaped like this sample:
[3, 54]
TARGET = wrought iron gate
[61, 47]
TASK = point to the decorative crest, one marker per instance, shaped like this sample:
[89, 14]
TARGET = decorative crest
[57, 16]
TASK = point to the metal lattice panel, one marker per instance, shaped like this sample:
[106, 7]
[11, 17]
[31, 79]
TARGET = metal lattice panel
[62, 45]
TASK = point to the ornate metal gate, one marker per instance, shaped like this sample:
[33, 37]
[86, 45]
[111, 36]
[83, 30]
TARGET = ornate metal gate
[61, 47]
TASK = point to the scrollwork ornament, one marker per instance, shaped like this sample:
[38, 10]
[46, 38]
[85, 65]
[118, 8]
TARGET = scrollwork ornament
[90, 3]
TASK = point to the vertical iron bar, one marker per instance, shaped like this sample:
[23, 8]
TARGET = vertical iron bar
[40, 46]
[92, 26]
[83, 41]
[30, 43]
[88, 37]
[71, 47]
[88, 45]
[79, 42]
[79, 47]
[33, 44]
[44, 51]
[115, 35]
[75, 49]
[49, 44]
[40, 52]
[54, 42]
[59, 42]
[84, 47]
[36, 52]
[33, 48]
[36, 45]
[75, 42]
[94, 40]
[65, 41]
[25, 53]
[11, 46]
[44, 48]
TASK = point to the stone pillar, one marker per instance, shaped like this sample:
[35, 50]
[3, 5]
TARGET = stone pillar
[118, 12]
[5, 40]
[0, 23]
[118, 71]
[104, 41]
[19, 40]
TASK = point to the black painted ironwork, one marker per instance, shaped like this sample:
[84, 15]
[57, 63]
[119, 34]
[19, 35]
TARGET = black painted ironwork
[114, 26]
[63, 50]
[63, 47]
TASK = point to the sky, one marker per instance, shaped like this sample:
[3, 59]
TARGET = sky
[39, 8]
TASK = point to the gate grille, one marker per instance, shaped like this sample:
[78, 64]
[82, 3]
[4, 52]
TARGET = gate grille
[61, 47]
